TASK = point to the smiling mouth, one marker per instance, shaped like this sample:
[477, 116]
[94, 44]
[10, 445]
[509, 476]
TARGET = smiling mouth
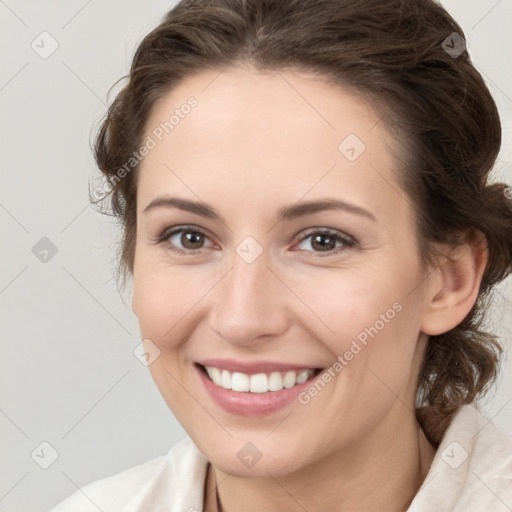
[258, 382]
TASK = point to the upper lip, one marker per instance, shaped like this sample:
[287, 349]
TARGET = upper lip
[253, 367]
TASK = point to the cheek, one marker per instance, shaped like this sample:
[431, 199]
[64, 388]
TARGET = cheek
[349, 305]
[163, 298]
[167, 302]
[370, 326]
[372, 369]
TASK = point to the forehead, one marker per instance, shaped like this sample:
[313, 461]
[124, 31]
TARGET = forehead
[291, 105]
[267, 132]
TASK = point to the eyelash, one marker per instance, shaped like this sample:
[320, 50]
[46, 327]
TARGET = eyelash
[348, 241]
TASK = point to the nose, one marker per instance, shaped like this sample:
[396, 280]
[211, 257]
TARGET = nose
[250, 304]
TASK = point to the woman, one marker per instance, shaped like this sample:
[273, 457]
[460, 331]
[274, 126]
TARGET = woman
[312, 236]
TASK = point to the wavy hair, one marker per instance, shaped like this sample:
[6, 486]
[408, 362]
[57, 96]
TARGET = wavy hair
[395, 53]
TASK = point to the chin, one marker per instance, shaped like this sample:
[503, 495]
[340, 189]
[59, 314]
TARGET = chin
[243, 458]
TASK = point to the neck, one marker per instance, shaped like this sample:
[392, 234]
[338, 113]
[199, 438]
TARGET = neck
[381, 472]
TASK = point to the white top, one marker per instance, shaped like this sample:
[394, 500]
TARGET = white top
[471, 472]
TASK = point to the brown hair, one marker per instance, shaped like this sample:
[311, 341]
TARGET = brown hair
[394, 52]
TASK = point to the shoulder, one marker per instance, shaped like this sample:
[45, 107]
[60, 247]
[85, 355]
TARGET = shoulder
[177, 477]
[472, 469]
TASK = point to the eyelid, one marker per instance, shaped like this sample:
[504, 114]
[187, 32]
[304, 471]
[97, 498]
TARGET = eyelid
[347, 240]
[168, 232]
[327, 231]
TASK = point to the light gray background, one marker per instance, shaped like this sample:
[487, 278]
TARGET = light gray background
[68, 374]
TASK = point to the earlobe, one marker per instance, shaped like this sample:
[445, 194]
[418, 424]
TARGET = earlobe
[455, 291]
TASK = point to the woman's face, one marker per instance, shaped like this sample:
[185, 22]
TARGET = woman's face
[242, 266]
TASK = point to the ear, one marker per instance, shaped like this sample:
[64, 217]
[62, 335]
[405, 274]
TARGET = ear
[454, 286]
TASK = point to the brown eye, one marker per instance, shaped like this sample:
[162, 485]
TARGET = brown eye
[184, 239]
[192, 239]
[325, 241]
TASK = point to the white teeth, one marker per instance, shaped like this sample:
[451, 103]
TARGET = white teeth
[290, 379]
[239, 381]
[275, 382]
[216, 376]
[259, 382]
[225, 379]
[302, 377]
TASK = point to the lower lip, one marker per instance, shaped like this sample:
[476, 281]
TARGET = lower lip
[252, 404]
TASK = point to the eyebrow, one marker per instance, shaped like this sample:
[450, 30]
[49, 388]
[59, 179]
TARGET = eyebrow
[284, 214]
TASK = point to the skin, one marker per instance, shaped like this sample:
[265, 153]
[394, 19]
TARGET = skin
[257, 142]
